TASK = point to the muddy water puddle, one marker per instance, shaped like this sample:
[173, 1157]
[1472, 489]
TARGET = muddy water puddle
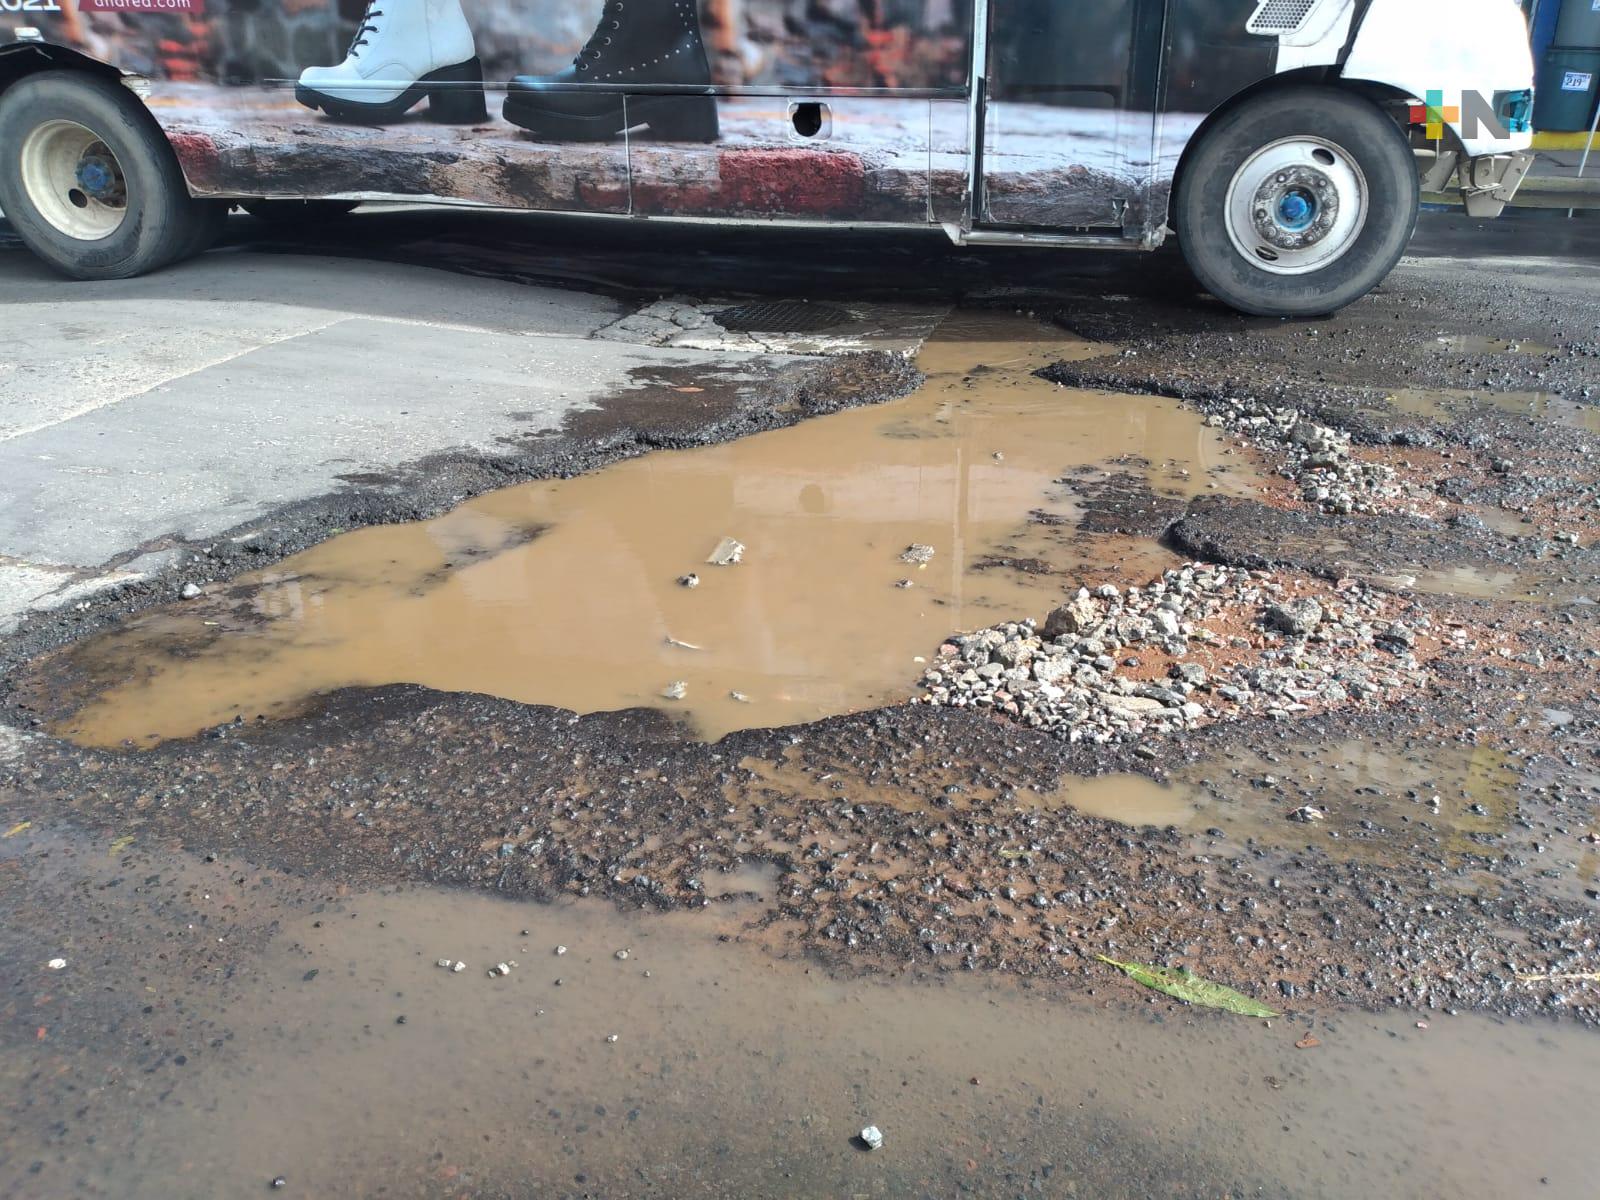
[791, 785]
[652, 1059]
[1445, 404]
[1377, 797]
[568, 593]
[1489, 583]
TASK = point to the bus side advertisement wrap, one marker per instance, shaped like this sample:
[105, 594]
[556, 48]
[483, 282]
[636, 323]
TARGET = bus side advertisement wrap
[811, 110]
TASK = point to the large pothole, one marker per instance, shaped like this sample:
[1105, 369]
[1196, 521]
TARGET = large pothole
[595, 593]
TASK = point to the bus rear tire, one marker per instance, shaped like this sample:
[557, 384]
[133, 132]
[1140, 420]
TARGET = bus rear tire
[1297, 202]
[88, 181]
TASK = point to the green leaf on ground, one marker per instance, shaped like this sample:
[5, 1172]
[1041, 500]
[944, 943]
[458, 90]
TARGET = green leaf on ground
[1185, 985]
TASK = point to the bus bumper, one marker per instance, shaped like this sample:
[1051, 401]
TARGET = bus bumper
[1487, 182]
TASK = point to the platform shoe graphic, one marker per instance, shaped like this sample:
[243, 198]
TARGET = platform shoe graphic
[649, 42]
[403, 51]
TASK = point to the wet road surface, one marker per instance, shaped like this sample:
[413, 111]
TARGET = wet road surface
[223, 943]
[642, 1054]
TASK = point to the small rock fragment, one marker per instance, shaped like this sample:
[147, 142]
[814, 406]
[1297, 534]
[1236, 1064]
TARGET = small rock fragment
[727, 553]
[675, 690]
[691, 580]
[190, 591]
[1297, 618]
[1073, 617]
[872, 1137]
[56, 964]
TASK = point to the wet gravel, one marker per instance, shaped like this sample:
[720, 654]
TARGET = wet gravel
[1326, 402]
[963, 873]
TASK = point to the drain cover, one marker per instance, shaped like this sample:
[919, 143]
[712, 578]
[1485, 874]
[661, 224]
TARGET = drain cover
[782, 316]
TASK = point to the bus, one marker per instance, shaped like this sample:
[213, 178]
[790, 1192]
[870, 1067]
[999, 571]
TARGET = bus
[1285, 144]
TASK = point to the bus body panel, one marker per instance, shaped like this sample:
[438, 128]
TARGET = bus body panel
[825, 110]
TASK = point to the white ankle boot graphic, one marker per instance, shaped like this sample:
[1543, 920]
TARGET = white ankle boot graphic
[403, 50]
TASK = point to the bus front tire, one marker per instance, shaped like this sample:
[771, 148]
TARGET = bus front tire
[89, 182]
[1297, 202]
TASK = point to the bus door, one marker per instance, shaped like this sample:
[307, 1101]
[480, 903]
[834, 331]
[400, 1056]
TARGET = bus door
[1068, 123]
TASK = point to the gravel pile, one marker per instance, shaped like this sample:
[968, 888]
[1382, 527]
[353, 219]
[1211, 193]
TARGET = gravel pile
[1203, 643]
[1318, 457]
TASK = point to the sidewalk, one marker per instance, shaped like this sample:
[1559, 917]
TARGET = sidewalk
[1554, 181]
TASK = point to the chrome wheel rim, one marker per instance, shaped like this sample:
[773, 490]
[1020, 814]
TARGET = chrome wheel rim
[73, 180]
[1296, 206]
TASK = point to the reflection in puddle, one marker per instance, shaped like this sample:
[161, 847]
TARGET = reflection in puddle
[568, 593]
[353, 1065]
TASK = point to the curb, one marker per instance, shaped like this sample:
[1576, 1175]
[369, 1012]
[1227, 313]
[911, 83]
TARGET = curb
[1564, 141]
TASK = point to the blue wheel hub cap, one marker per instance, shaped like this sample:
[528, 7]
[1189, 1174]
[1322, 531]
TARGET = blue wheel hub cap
[97, 177]
[1297, 209]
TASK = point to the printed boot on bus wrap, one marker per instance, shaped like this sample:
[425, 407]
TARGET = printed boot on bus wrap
[652, 42]
[403, 50]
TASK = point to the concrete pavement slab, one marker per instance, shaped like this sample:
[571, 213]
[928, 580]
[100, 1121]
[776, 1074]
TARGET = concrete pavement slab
[234, 282]
[225, 443]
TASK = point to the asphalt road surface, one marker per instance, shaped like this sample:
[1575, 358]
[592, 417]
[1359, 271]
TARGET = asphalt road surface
[394, 799]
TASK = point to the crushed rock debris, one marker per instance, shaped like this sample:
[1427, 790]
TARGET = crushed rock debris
[1200, 644]
[1317, 458]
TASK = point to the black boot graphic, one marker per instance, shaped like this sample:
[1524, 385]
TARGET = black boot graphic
[654, 42]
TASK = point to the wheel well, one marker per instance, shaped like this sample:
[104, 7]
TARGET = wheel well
[21, 59]
[1382, 95]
